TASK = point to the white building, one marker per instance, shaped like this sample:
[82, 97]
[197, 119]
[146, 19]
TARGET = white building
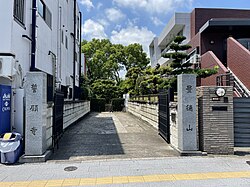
[179, 24]
[39, 36]
[53, 48]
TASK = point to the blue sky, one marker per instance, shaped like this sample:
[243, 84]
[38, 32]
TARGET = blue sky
[138, 21]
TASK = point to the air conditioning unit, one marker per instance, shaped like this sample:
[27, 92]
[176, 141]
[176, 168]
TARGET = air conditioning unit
[68, 81]
[7, 66]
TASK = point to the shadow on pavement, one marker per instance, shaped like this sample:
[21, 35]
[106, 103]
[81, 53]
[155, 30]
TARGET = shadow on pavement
[95, 135]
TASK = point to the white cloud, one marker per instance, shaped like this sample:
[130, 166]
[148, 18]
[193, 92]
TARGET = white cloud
[99, 5]
[153, 6]
[156, 21]
[114, 15]
[133, 34]
[92, 29]
[103, 22]
[87, 3]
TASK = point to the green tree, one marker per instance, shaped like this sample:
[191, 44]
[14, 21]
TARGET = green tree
[178, 57]
[105, 60]
[135, 57]
[147, 81]
[104, 88]
[86, 92]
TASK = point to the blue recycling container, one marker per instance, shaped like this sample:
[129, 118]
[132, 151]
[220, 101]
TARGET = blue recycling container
[10, 147]
[5, 110]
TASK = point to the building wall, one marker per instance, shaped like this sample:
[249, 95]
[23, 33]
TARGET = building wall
[6, 25]
[48, 39]
[200, 16]
[209, 60]
[238, 59]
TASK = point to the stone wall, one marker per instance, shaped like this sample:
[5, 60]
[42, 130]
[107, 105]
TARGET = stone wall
[49, 125]
[215, 117]
[145, 111]
[173, 124]
[74, 111]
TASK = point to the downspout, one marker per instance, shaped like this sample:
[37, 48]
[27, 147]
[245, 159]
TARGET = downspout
[74, 51]
[80, 50]
[33, 37]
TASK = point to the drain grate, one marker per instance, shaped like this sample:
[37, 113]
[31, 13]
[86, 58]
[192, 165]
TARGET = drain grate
[70, 168]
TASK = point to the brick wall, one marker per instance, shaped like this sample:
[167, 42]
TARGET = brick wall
[209, 60]
[238, 60]
[194, 42]
[216, 127]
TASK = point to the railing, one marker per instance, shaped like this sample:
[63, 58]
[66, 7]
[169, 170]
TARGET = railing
[230, 79]
[153, 98]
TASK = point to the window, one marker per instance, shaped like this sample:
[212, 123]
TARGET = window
[62, 37]
[49, 88]
[41, 8]
[66, 42]
[45, 13]
[78, 26]
[19, 11]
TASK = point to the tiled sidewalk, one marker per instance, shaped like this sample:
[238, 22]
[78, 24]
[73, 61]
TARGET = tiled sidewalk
[171, 171]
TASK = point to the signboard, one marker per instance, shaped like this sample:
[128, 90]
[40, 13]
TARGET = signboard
[5, 112]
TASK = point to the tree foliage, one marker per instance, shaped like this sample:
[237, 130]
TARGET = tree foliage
[105, 60]
[179, 55]
[105, 88]
[149, 80]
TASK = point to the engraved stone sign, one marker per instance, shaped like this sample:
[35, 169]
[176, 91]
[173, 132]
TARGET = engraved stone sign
[36, 102]
[187, 138]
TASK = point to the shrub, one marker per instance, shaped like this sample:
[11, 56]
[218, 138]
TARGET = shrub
[97, 105]
[117, 104]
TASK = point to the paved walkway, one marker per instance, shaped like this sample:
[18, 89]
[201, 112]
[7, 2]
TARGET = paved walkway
[111, 135]
[170, 171]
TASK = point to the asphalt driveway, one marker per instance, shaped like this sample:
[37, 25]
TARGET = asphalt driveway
[107, 135]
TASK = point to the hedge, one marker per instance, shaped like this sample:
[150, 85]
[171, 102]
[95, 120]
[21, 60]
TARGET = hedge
[117, 104]
[97, 105]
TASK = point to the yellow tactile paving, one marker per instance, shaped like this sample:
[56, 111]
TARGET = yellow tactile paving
[135, 179]
[151, 178]
[71, 182]
[21, 184]
[120, 180]
[51, 183]
[166, 177]
[37, 183]
[127, 179]
[6, 184]
[87, 181]
[106, 180]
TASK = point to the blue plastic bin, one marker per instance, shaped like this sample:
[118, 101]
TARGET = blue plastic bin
[11, 148]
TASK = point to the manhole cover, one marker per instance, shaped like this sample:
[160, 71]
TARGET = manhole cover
[70, 168]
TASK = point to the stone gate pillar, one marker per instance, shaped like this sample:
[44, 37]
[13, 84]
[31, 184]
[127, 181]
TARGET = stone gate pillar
[36, 111]
[187, 137]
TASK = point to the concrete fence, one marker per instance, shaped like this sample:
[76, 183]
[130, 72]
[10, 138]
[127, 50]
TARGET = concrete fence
[49, 125]
[145, 111]
[74, 111]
